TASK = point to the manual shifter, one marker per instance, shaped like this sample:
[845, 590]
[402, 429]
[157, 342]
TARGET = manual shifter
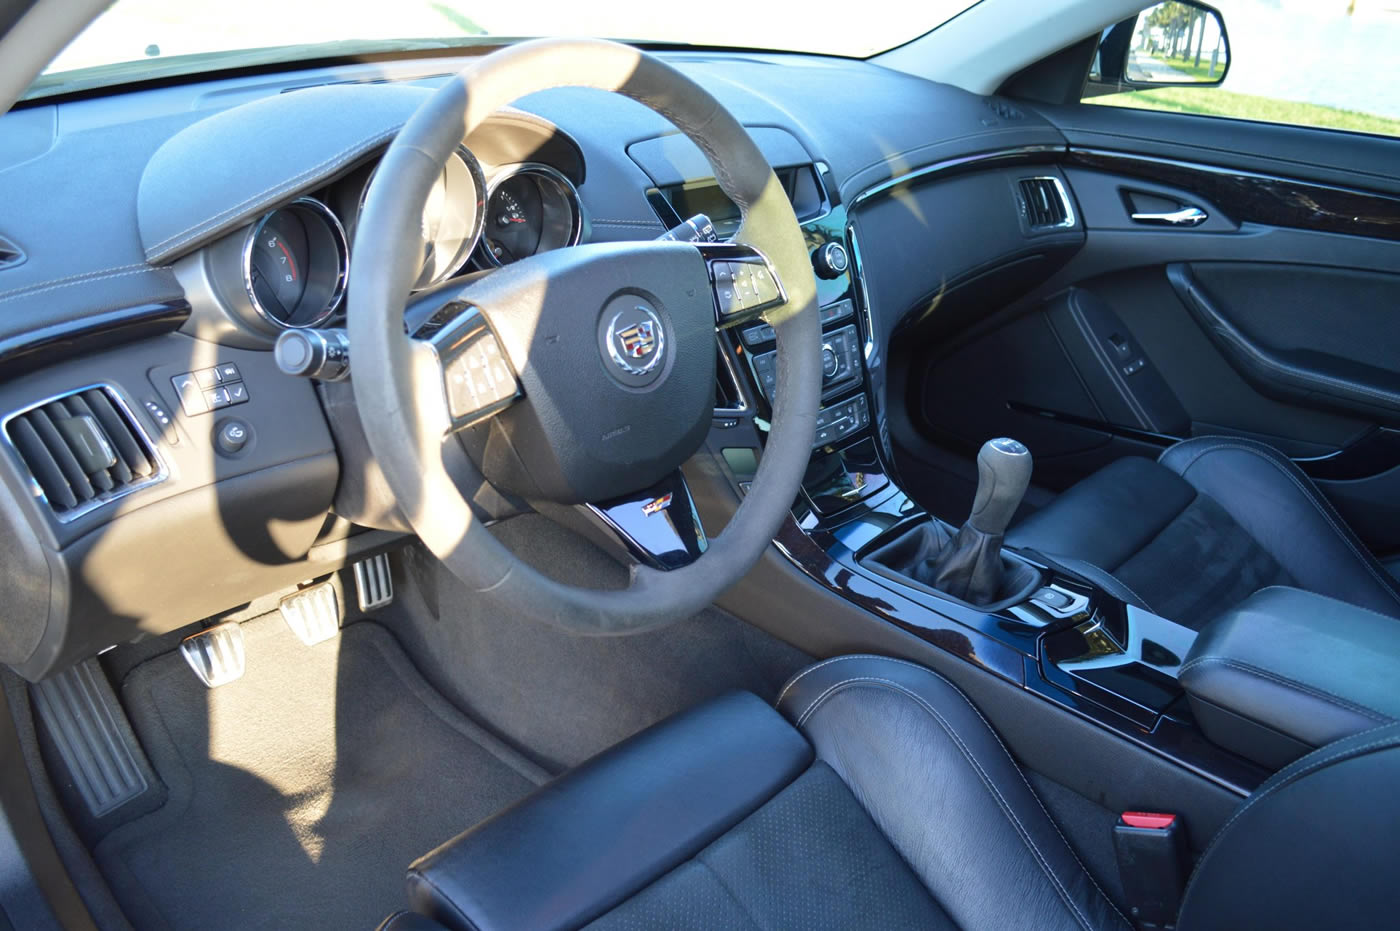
[970, 566]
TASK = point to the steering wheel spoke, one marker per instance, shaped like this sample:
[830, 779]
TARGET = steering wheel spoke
[659, 525]
[477, 379]
[744, 282]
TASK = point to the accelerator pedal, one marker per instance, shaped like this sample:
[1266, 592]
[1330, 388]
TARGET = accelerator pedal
[88, 727]
[215, 654]
[313, 613]
[374, 585]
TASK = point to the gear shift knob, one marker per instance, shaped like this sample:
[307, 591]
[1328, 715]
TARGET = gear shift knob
[1003, 474]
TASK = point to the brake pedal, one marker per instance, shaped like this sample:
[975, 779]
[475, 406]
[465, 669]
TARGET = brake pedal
[216, 654]
[374, 586]
[313, 613]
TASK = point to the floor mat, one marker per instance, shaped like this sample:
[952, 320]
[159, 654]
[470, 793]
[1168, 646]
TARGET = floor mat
[301, 792]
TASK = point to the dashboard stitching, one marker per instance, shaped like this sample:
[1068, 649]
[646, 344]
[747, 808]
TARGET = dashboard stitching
[85, 278]
[188, 234]
[634, 224]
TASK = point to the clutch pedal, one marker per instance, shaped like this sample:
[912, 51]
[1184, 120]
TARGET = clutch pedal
[313, 613]
[374, 585]
[216, 655]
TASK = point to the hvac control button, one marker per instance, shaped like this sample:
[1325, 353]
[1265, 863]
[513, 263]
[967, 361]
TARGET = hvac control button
[232, 436]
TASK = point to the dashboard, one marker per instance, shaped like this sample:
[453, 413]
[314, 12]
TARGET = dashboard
[166, 236]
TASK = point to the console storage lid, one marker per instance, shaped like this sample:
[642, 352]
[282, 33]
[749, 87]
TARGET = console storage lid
[1288, 671]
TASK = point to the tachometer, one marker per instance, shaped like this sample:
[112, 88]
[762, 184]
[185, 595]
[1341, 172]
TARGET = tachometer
[295, 264]
[532, 209]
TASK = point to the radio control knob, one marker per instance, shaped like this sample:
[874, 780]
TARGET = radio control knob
[831, 260]
[830, 363]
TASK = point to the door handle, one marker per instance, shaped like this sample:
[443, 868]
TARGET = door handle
[1186, 216]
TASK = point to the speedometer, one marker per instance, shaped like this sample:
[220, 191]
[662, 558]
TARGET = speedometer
[532, 209]
[452, 218]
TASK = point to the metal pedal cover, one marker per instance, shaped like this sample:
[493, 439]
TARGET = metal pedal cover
[373, 584]
[313, 613]
[216, 655]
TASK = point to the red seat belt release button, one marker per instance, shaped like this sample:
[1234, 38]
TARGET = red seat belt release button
[1147, 819]
[1151, 852]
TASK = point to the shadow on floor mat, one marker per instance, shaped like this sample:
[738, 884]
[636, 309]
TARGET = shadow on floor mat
[301, 792]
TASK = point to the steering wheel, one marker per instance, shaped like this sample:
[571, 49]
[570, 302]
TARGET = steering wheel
[582, 375]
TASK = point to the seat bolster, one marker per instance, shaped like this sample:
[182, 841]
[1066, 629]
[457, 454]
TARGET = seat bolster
[943, 788]
[1106, 518]
[598, 834]
[1278, 505]
[1313, 847]
[409, 921]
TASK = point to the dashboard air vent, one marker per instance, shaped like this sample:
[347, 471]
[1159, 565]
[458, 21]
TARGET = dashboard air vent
[1045, 203]
[83, 450]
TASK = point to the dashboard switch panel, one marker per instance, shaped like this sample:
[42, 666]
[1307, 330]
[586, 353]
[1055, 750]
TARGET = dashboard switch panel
[210, 389]
[841, 420]
[840, 364]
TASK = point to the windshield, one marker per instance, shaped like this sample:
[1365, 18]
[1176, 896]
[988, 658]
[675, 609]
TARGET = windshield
[137, 39]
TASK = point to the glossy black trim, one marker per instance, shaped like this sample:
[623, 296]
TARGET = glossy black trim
[659, 525]
[1131, 433]
[1109, 663]
[44, 346]
[1375, 452]
[1253, 197]
[997, 158]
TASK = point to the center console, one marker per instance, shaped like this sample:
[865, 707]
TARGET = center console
[857, 534]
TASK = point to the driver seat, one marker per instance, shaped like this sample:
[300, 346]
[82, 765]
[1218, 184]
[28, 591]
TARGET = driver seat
[879, 797]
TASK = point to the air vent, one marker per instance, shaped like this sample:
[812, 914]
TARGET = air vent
[1003, 109]
[1045, 203]
[10, 254]
[83, 450]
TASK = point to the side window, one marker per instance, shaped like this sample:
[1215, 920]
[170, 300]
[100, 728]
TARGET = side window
[1324, 63]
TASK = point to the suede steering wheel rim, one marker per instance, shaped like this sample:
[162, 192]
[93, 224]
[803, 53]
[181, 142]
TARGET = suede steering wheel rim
[399, 386]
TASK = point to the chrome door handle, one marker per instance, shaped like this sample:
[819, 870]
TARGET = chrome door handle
[1186, 216]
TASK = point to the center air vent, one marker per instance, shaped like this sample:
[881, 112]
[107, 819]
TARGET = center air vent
[1045, 203]
[83, 450]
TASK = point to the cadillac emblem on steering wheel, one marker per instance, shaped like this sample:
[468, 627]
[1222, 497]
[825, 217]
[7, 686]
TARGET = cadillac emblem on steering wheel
[636, 340]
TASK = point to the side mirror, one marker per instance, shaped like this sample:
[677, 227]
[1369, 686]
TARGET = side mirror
[1174, 43]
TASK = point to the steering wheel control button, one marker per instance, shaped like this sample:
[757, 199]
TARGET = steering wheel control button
[478, 378]
[232, 436]
[227, 372]
[830, 261]
[634, 338]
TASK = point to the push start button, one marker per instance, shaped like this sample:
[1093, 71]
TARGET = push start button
[232, 436]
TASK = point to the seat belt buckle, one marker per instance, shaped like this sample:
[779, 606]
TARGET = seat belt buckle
[1151, 848]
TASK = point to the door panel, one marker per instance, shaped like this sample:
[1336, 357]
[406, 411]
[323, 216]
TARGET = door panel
[1272, 312]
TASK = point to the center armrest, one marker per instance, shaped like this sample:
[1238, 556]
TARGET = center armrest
[1288, 671]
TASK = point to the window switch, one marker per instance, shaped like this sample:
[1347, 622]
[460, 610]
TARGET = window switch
[1135, 366]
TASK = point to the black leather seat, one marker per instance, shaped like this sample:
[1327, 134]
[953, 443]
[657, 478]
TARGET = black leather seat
[890, 804]
[1211, 522]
